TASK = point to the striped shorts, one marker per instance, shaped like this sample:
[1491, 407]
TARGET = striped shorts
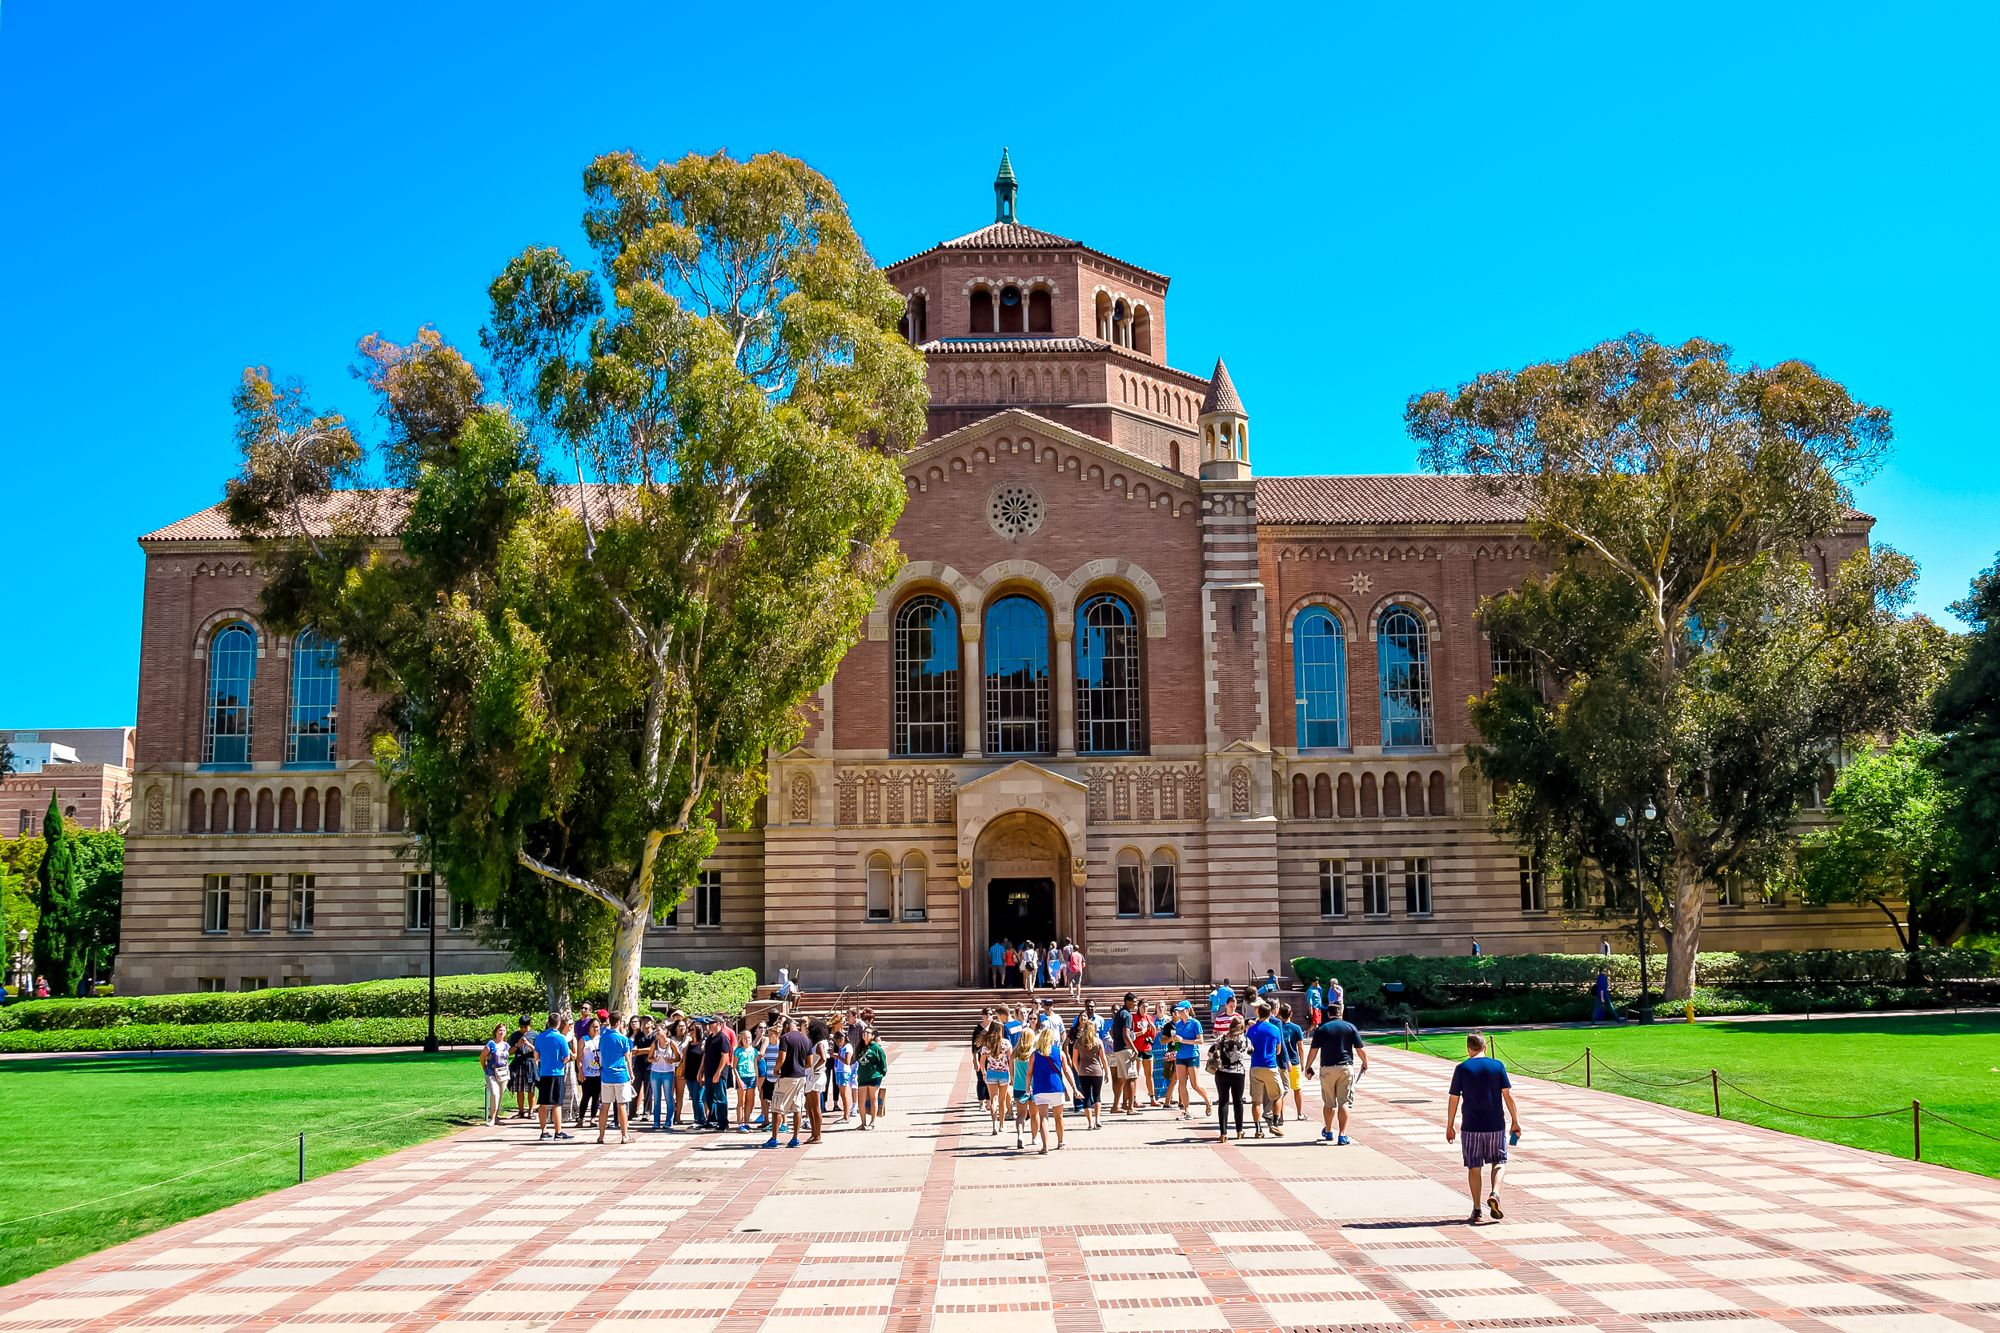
[1483, 1149]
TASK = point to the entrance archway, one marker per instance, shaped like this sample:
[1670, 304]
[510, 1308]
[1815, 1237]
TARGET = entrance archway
[1021, 889]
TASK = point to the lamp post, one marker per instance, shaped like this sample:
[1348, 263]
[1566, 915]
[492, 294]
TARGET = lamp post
[431, 921]
[1639, 888]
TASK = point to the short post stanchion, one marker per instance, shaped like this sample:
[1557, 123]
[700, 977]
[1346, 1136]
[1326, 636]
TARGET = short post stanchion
[302, 1157]
[1715, 1087]
[1916, 1130]
[1586, 1066]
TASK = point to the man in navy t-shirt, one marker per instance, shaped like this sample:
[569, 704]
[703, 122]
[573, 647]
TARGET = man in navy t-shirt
[1479, 1115]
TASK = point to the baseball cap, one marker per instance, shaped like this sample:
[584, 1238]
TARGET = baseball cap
[1184, 1005]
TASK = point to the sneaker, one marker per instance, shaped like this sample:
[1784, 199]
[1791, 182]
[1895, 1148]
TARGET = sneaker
[544, 1134]
[1328, 1134]
[771, 1142]
[1342, 1141]
[1476, 1218]
[794, 1143]
[1493, 1206]
[564, 1134]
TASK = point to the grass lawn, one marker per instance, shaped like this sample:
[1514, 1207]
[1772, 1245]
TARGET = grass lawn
[1847, 1066]
[82, 1129]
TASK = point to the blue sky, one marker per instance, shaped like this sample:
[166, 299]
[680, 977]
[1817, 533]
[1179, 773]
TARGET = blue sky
[1355, 205]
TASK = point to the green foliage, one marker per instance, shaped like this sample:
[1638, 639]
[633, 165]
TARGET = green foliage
[1687, 653]
[559, 936]
[58, 952]
[1895, 841]
[469, 997]
[585, 679]
[1968, 718]
[263, 1035]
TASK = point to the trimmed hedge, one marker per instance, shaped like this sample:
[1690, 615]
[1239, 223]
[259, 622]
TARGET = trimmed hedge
[252, 1036]
[1553, 988]
[474, 996]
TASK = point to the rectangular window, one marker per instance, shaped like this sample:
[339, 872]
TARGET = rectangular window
[1534, 889]
[419, 889]
[257, 904]
[25, 822]
[1374, 886]
[1131, 889]
[1730, 889]
[215, 904]
[253, 983]
[1417, 886]
[1333, 888]
[209, 985]
[916, 892]
[303, 894]
[460, 913]
[1166, 888]
[708, 900]
[295, 981]
[881, 888]
[1512, 661]
[1774, 895]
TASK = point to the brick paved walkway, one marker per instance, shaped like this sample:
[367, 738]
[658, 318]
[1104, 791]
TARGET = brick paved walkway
[1621, 1215]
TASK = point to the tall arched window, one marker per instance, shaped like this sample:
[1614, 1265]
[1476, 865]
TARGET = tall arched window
[1013, 311]
[1017, 677]
[315, 697]
[1142, 332]
[232, 667]
[916, 319]
[881, 887]
[1405, 662]
[1108, 694]
[1319, 678]
[982, 311]
[1041, 317]
[915, 891]
[926, 677]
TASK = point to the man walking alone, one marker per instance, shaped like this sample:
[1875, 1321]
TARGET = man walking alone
[1336, 1044]
[1481, 1090]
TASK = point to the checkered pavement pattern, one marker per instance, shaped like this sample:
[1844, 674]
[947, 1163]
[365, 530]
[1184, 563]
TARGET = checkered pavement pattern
[1619, 1216]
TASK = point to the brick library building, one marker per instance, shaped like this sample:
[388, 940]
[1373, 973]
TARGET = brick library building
[1124, 691]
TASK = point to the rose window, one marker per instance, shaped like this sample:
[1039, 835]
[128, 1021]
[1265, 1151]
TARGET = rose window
[1014, 511]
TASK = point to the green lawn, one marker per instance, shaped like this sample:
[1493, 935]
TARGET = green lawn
[83, 1129]
[1848, 1066]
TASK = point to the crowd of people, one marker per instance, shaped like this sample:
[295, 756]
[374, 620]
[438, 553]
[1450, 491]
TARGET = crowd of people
[1034, 1070]
[785, 1073]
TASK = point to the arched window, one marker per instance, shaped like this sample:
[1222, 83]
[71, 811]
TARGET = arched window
[1301, 797]
[197, 811]
[265, 821]
[232, 666]
[1346, 796]
[926, 677]
[1322, 797]
[333, 809]
[1142, 331]
[1413, 794]
[1041, 314]
[1437, 794]
[1017, 677]
[916, 892]
[1392, 796]
[881, 887]
[1013, 311]
[916, 319]
[1121, 324]
[1405, 663]
[1369, 807]
[218, 812]
[1104, 326]
[315, 697]
[309, 811]
[240, 823]
[288, 811]
[1108, 693]
[982, 311]
[1319, 678]
[1166, 883]
[1131, 884]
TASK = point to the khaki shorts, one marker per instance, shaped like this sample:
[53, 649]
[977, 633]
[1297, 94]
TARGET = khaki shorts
[1336, 1085]
[1264, 1086]
[1124, 1064]
[790, 1096]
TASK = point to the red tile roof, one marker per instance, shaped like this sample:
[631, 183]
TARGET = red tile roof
[1015, 236]
[1391, 498]
[381, 511]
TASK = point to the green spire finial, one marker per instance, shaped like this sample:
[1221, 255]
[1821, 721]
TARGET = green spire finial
[1005, 188]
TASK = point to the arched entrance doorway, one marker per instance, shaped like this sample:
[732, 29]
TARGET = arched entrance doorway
[1021, 889]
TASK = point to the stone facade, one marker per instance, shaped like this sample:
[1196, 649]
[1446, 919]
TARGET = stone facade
[1190, 834]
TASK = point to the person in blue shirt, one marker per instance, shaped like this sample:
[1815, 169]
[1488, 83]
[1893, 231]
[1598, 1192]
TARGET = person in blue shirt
[1269, 985]
[1479, 1116]
[1316, 1002]
[1295, 1040]
[1051, 1083]
[553, 1056]
[1220, 996]
[614, 1067]
[1186, 1033]
[1267, 1058]
[996, 964]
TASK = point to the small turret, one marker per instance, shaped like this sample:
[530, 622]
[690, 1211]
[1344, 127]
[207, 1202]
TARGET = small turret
[1005, 188]
[1225, 430]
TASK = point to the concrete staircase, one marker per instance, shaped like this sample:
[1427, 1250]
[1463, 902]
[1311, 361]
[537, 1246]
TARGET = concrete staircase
[949, 1015]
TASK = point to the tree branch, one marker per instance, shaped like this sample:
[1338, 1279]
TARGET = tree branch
[569, 881]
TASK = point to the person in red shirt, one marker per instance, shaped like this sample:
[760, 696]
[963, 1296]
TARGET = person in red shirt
[1013, 962]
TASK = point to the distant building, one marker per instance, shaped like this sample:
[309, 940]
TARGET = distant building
[89, 770]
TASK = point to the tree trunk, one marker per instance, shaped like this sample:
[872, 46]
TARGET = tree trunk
[559, 996]
[627, 945]
[1685, 942]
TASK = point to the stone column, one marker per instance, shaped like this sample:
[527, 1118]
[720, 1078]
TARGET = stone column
[1065, 688]
[972, 693]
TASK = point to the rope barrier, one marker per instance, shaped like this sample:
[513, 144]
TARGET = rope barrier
[1947, 1120]
[1813, 1115]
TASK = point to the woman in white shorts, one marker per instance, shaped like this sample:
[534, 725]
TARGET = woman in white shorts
[1052, 1083]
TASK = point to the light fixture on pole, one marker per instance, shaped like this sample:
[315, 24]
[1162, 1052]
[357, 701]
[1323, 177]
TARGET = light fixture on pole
[1622, 820]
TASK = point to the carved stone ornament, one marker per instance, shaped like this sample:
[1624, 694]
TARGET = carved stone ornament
[965, 874]
[1076, 870]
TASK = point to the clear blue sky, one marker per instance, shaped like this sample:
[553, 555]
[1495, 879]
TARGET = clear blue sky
[1354, 205]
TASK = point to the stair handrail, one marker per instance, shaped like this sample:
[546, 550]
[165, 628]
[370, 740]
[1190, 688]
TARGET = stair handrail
[1186, 978]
